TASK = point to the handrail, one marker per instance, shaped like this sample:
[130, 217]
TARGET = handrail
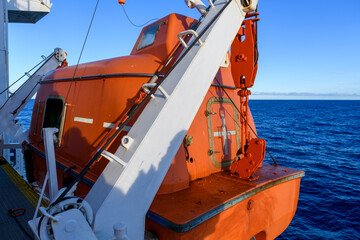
[191, 32]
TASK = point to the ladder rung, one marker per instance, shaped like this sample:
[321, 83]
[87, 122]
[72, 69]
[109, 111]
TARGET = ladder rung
[112, 157]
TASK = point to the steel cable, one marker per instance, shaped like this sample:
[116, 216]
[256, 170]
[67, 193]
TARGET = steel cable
[82, 49]
[132, 23]
[275, 162]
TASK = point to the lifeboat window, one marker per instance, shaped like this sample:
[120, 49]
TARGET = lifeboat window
[53, 112]
[148, 37]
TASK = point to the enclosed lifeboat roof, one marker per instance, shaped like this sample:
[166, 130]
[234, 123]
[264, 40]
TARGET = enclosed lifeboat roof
[155, 44]
[128, 65]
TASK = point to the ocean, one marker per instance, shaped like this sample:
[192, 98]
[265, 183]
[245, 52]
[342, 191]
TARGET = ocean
[323, 139]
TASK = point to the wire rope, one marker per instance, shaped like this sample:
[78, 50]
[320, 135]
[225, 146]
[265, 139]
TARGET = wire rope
[25, 74]
[45, 59]
[82, 50]
[132, 23]
[275, 162]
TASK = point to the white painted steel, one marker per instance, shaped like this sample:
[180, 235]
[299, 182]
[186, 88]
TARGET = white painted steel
[222, 134]
[41, 195]
[14, 11]
[126, 142]
[125, 194]
[48, 134]
[187, 32]
[72, 225]
[36, 6]
[59, 215]
[22, 96]
[4, 59]
[111, 157]
[46, 214]
[210, 3]
[29, 5]
[120, 231]
[198, 4]
[146, 87]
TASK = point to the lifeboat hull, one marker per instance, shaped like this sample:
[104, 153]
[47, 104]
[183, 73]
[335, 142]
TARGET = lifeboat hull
[221, 207]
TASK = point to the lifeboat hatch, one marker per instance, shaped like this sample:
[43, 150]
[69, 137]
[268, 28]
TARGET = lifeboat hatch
[223, 129]
[54, 115]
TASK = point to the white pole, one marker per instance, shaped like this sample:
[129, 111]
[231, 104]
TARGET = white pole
[41, 195]
[4, 60]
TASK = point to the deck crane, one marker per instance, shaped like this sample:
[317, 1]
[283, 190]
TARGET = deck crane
[122, 195]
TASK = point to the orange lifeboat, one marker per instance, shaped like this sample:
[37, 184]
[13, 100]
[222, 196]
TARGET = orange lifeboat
[217, 186]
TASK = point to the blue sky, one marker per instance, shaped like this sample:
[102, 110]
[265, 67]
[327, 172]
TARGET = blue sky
[308, 49]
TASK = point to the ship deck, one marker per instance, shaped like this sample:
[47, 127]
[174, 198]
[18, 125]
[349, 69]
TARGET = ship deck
[15, 193]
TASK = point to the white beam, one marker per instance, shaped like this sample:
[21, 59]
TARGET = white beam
[50, 160]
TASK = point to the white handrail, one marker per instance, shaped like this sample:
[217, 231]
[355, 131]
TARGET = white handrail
[191, 32]
[146, 87]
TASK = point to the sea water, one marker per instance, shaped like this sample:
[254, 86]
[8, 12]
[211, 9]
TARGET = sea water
[323, 139]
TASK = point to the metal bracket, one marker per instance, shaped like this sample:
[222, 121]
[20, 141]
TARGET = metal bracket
[126, 141]
[251, 160]
[208, 113]
[199, 5]
[191, 32]
[111, 157]
[146, 87]
[211, 3]
[60, 54]
[45, 213]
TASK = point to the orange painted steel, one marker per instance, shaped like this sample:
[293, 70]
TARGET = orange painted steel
[198, 181]
[105, 99]
[166, 37]
[247, 165]
[223, 207]
[244, 55]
